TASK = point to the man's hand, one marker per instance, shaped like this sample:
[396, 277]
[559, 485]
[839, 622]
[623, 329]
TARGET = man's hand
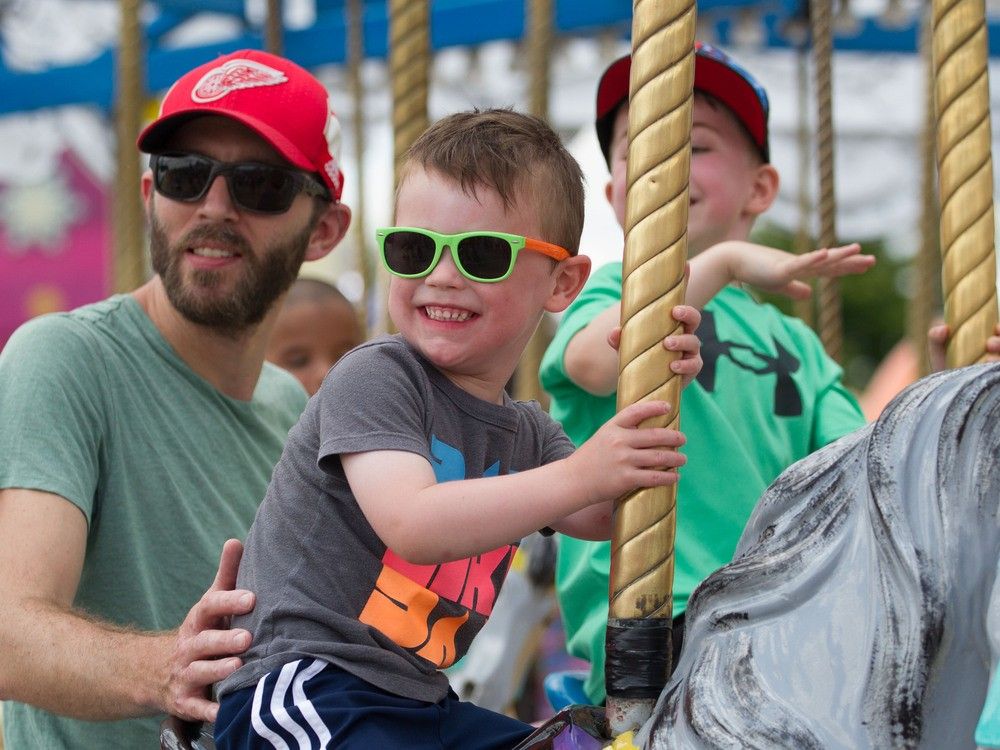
[205, 649]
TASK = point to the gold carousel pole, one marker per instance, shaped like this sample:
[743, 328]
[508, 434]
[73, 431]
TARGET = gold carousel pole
[656, 212]
[926, 261]
[409, 63]
[356, 52]
[273, 40]
[965, 173]
[828, 324]
[804, 309]
[540, 38]
[409, 70]
[129, 247]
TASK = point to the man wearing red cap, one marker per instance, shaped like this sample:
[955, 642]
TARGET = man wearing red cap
[767, 395]
[139, 433]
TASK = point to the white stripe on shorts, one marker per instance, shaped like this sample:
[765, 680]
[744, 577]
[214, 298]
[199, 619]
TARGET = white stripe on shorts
[258, 724]
[287, 677]
[278, 710]
[305, 705]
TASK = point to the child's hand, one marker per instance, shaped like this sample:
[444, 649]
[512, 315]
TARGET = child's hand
[768, 268]
[781, 272]
[689, 346]
[937, 346]
[621, 456]
[690, 363]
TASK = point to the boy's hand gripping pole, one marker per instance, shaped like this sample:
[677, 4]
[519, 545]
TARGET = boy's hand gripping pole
[656, 214]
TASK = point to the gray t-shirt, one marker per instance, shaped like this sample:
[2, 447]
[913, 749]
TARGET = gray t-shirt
[326, 585]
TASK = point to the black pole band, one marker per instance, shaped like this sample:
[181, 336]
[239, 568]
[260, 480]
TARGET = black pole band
[637, 656]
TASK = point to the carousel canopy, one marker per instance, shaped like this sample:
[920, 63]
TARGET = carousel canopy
[315, 34]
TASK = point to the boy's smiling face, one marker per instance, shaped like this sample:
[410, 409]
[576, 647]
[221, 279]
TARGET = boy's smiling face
[729, 185]
[475, 332]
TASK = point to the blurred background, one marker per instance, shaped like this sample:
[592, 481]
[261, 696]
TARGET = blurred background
[74, 73]
[59, 96]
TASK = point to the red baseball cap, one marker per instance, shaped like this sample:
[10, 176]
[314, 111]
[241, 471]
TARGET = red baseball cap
[715, 73]
[280, 101]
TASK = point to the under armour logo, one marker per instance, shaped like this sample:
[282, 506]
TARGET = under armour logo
[787, 399]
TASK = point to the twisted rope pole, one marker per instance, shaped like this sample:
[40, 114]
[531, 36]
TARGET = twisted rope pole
[965, 173]
[656, 214]
[273, 32]
[828, 323]
[409, 66]
[356, 52]
[540, 39]
[129, 217]
[925, 262]
[409, 70]
[804, 309]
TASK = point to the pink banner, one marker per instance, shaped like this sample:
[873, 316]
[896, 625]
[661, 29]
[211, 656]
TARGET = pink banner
[55, 245]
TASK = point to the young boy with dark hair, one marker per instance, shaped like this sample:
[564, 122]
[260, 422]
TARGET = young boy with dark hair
[767, 394]
[317, 326]
[402, 494]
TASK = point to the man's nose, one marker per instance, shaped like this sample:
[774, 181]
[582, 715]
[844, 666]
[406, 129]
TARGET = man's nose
[217, 202]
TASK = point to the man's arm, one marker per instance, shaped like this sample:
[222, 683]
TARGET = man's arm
[70, 663]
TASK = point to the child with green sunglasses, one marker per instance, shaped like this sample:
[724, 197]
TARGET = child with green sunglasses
[486, 257]
[399, 502]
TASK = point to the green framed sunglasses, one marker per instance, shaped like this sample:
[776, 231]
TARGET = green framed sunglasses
[486, 257]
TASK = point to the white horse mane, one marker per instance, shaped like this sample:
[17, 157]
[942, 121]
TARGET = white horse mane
[854, 613]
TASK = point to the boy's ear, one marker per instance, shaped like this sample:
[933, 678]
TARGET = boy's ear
[329, 230]
[607, 193]
[570, 276]
[763, 191]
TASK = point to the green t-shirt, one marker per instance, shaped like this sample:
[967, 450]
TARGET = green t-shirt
[767, 396]
[99, 409]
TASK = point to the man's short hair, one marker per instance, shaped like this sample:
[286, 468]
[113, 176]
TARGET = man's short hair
[514, 154]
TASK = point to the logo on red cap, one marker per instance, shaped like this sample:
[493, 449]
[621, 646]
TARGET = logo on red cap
[233, 76]
[332, 134]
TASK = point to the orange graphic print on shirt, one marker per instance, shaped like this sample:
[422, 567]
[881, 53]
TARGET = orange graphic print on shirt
[422, 608]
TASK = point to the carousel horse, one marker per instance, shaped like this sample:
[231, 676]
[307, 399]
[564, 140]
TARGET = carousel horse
[858, 609]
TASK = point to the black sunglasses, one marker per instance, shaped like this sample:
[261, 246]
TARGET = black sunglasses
[255, 187]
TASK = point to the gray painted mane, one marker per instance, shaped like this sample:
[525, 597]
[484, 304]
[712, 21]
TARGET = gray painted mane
[855, 611]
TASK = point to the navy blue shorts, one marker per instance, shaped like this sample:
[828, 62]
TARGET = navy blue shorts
[310, 703]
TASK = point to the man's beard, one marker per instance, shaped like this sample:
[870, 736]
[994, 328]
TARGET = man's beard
[267, 275]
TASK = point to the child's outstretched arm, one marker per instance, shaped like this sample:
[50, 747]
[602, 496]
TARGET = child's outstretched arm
[593, 365]
[427, 522]
[768, 268]
[591, 357]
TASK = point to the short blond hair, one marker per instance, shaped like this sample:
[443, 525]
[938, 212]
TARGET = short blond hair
[516, 155]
